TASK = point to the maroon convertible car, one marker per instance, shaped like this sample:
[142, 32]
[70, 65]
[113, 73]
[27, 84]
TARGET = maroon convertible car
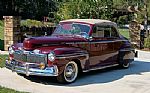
[76, 45]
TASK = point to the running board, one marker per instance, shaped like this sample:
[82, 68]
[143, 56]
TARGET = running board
[101, 68]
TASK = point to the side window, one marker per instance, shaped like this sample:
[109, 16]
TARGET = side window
[98, 32]
[114, 32]
[105, 31]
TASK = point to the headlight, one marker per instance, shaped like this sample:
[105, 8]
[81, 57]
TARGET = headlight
[36, 51]
[51, 56]
[11, 51]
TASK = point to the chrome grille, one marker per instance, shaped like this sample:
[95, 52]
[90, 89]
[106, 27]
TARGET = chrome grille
[30, 57]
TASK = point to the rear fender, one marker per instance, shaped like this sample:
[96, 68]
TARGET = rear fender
[126, 55]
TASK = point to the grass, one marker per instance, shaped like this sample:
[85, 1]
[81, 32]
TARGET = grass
[124, 32]
[1, 32]
[1, 35]
[2, 60]
[7, 90]
[2, 89]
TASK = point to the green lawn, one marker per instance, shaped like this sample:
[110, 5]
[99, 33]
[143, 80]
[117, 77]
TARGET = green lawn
[2, 60]
[2, 89]
[124, 32]
[7, 90]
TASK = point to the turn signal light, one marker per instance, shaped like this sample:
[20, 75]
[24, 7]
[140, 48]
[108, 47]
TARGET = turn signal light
[41, 65]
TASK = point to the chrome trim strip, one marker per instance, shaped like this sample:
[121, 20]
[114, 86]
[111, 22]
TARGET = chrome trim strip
[121, 40]
[77, 43]
[107, 41]
[127, 49]
[48, 71]
[72, 55]
[98, 41]
[27, 69]
[100, 68]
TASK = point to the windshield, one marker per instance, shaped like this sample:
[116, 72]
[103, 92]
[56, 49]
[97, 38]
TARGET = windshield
[72, 29]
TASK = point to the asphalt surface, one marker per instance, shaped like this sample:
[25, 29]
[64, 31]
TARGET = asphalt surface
[135, 79]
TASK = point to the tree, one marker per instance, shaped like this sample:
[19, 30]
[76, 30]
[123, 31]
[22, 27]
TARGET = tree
[34, 9]
[85, 9]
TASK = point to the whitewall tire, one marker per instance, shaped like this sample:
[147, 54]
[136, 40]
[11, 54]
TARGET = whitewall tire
[69, 74]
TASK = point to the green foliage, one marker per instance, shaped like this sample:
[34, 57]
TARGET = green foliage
[85, 9]
[1, 35]
[7, 90]
[99, 9]
[1, 23]
[147, 42]
[1, 29]
[66, 9]
[30, 23]
[34, 9]
[122, 20]
[2, 60]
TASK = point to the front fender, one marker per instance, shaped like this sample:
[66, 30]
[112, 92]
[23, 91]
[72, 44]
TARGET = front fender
[65, 55]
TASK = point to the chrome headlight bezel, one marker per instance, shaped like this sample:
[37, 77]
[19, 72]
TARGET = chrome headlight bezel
[11, 50]
[36, 51]
[51, 56]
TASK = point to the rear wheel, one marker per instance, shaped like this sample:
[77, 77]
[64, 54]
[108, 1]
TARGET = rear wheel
[69, 74]
[125, 64]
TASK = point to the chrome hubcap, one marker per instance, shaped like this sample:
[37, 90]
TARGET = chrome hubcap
[70, 72]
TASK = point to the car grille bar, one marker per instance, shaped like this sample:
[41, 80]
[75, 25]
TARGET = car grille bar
[30, 57]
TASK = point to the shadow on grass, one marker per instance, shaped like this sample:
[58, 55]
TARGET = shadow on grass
[1, 44]
[99, 76]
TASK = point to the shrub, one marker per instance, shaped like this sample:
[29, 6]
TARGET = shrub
[35, 23]
[1, 23]
[147, 42]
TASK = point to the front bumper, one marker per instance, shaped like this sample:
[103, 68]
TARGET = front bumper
[26, 69]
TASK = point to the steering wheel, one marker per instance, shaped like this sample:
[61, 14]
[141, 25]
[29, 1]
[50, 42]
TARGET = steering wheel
[84, 34]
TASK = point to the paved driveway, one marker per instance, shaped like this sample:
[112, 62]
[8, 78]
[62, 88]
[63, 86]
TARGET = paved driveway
[136, 79]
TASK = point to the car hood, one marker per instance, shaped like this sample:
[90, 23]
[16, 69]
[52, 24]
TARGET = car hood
[36, 42]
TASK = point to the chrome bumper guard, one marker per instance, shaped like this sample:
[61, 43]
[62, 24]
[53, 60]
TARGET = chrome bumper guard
[25, 69]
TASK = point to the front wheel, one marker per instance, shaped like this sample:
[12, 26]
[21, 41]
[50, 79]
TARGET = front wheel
[69, 74]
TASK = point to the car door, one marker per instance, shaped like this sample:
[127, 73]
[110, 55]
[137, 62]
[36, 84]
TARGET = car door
[117, 41]
[101, 47]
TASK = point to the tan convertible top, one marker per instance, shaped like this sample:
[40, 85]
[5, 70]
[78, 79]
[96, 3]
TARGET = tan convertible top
[92, 21]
